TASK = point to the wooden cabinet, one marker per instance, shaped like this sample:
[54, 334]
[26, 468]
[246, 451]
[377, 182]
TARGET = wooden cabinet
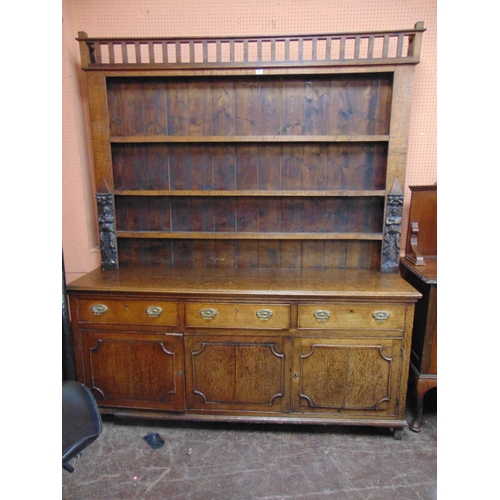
[285, 346]
[250, 189]
[419, 268]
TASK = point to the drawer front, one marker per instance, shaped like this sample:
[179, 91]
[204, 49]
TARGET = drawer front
[253, 316]
[128, 312]
[352, 316]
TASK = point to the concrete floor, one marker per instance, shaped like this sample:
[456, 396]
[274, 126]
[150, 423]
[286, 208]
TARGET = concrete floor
[203, 461]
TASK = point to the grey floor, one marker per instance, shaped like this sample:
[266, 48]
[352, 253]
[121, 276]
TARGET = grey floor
[219, 461]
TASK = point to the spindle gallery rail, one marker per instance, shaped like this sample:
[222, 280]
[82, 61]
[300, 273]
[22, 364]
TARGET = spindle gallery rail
[378, 47]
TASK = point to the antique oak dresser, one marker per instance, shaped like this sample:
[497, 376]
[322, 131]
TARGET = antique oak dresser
[249, 205]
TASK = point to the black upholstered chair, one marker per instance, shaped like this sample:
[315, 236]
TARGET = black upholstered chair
[81, 421]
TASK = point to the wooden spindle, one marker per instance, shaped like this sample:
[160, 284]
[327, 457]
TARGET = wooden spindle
[385, 51]
[371, 44]
[231, 51]
[314, 52]
[138, 58]
[357, 44]
[178, 52]
[151, 51]
[287, 49]
[401, 39]
[205, 51]
[111, 51]
[164, 51]
[342, 48]
[96, 54]
[124, 52]
[328, 54]
[191, 52]
[218, 51]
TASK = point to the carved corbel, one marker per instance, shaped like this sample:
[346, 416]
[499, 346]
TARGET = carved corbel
[391, 242]
[107, 231]
[415, 256]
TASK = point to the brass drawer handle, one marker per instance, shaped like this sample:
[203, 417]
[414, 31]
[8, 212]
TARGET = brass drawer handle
[381, 315]
[208, 313]
[264, 314]
[154, 311]
[99, 309]
[322, 315]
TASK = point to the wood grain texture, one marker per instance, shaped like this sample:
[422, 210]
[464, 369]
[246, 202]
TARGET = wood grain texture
[253, 282]
[135, 371]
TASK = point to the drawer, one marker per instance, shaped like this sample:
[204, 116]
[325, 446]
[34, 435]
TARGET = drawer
[352, 316]
[253, 316]
[128, 312]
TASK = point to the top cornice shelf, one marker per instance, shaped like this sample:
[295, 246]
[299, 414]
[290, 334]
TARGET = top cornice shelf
[340, 49]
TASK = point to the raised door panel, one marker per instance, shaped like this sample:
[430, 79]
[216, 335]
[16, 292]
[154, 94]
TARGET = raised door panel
[346, 376]
[134, 370]
[226, 373]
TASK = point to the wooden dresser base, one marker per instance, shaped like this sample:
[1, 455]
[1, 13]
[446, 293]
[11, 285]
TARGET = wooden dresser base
[269, 346]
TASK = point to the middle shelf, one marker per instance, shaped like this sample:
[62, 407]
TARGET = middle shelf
[249, 217]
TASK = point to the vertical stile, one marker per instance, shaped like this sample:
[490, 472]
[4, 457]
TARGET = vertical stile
[342, 48]
[151, 52]
[87, 50]
[357, 44]
[259, 50]
[245, 50]
[371, 43]
[111, 50]
[273, 50]
[386, 47]
[401, 38]
[191, 52]
[328, 55]
[415, 43]
[287, 49]
[137, 52]
[124, 52]
[205, 51]
[314, 48]
[177, 51]
[301, 46]
[164, 51]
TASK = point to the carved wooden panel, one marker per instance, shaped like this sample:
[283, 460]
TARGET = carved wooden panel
[350, 375]
[235, 373]
[138, 370]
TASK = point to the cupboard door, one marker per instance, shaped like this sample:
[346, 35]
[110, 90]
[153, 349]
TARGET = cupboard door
[130, 370]
[346, 376]
[236, 373]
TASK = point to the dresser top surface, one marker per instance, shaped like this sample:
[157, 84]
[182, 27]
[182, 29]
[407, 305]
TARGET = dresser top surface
[249, 282]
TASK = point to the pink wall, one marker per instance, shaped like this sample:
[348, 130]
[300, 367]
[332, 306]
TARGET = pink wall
[224, 17]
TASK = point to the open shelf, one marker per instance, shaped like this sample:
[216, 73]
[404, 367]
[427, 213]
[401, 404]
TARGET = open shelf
[250, 192]
[242, 138]
[201, 235]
